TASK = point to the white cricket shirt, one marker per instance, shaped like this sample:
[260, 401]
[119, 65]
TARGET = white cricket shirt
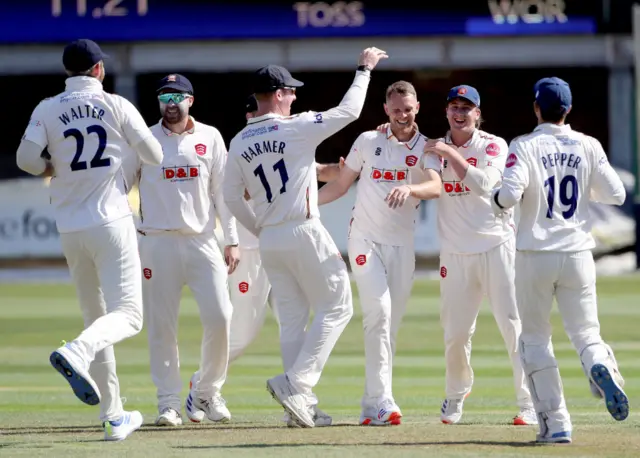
[183, 193]
[385, 163]
[466, 222]
[248, 241]
[88, 133]
[273, 157]
[554, 171]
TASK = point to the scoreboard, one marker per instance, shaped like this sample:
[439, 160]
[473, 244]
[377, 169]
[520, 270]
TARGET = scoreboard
[52, 21]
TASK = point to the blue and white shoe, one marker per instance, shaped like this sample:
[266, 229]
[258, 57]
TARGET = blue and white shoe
[73, 370]
[614, 397]
[119, 430]
[561, 437]
[194, 414]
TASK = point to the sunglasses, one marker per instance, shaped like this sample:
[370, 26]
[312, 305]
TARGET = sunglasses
[173, 97]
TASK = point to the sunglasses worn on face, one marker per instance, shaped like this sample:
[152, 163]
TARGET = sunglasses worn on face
[173, 97]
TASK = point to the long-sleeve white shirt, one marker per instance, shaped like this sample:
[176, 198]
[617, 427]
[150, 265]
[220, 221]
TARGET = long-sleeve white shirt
[273, 157]
[184, 192]
[89, 134]
[553, 172]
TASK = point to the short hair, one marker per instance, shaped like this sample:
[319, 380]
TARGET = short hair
[554, 115]
[402, 88]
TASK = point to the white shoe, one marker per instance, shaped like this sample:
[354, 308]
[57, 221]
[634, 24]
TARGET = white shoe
[612, 364]
[296, 404]
[214, 408]
[320, 419]
[526, 417]
[195, 415]
[120, 429]
[169, 417]
[561, 437]
[451, 411]
[387, 413]
[615, 398]
[74, 370]
[554, 428]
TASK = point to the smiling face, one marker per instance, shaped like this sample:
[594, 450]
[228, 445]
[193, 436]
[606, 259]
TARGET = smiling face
[402, 106]
[174, 105]
[462, 115]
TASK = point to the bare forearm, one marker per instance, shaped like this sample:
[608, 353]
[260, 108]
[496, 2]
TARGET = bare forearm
[427, 190]
[330, 192]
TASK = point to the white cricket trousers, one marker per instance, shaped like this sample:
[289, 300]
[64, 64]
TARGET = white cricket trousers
[249, 290]
[171, 260]
[105, 268]
[465, 279]
[571, 278]
[384, 275]
[306, 272]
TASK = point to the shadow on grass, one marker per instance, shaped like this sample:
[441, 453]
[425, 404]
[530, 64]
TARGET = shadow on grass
[391, 444]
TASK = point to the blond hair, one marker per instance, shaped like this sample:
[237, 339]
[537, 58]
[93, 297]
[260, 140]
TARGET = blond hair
[402, 88]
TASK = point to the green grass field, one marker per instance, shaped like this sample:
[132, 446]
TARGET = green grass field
[39, 416]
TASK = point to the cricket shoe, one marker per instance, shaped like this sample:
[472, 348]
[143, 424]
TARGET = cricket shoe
[554, 428]
[169, 417]
[294, 403]
[118, 430]
[526, 417]
[194, 415]
[73, 369]
[387, 413]
[214, 408]
[611, 363]
[615, 399]
[451, 411]
[320, 419]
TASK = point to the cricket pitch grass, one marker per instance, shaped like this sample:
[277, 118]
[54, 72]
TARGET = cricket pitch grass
[40, 417]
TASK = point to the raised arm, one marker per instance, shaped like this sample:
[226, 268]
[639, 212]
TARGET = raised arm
[138, 135]
[34, 141]
[514, 182]
[606, 185]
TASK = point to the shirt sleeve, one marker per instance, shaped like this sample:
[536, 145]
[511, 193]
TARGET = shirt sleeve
[218, 163]
[36, 131]
[515, 179]
[318, 126]
[355, 158]
[134, 127]
[431, 161]
[606, 185]
[495, 154]
[233, 192]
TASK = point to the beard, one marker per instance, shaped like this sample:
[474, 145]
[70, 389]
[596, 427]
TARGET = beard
[174, 113]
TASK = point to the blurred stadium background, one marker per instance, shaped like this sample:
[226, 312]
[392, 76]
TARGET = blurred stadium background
[499, 46]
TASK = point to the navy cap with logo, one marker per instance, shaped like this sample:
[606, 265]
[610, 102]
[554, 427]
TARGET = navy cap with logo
[81, 55]
[176, 82]
[553, 94]
[251, 104]
[273, 77]
[464, 92]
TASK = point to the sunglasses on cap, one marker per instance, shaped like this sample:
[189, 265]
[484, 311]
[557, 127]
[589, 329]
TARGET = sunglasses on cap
[175, 97]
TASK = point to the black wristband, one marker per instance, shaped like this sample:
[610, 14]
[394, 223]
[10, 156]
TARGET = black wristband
[363, 68]
[495, 199]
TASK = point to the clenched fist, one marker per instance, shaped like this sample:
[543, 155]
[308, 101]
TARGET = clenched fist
[371, 56]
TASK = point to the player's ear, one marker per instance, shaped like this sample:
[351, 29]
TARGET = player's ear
[191, 99]
[417, 107]
[568, 110]
[386, 109]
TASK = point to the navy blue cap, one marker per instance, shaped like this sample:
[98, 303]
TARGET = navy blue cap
[552, 94]
[272, 77]
[176, 81]
[251, 104]
[81, 55]
[464, 92]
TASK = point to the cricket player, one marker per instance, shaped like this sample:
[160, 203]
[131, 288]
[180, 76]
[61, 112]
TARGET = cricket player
[553, 172]
[179, 201]
[89, 134]
[273, 159]
[477, 254]
[249, 286]
[394, 175]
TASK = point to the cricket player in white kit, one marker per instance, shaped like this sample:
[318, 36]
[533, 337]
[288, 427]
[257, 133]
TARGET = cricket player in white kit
[553, 172]
[395, 175]
[273, 158]
[477, 255]
[89, 134]
[250, 289]
[179, 201]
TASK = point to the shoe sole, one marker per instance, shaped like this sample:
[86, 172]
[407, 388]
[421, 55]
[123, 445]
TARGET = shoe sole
[395, 419]
[80, 386]
[292, 413]
[614, 398]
